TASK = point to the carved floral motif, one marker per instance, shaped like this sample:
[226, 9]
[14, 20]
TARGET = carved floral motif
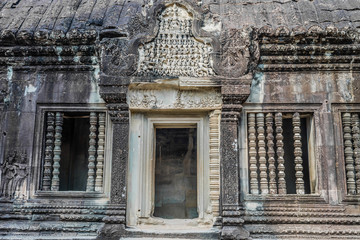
[174, 51]
[172, 99]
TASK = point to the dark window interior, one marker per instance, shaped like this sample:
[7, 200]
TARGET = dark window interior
[176, 173]
[290, 157]
[74, 152]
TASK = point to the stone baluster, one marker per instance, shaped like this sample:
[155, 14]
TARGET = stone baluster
[300, 189]
[349, 160]
[254, 186]
[271, 153]
[55, 181]
[356, 144]
[264, 184]
[280, 154]
[100, 154]
[49, 147]
[90, 186]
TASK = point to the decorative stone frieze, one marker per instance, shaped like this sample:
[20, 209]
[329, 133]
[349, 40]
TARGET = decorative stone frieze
[174, 99]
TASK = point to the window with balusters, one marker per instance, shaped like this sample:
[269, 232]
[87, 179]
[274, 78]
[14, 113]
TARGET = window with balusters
[351, 138]
[73, 151]
[280, 153]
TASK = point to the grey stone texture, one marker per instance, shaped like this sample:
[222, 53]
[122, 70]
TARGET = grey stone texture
[267, 55]
[30, 16]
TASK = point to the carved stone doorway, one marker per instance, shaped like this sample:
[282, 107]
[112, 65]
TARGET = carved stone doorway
[173, 166]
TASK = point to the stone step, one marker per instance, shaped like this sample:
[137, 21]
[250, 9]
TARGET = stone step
[151, 238]
[152, 234]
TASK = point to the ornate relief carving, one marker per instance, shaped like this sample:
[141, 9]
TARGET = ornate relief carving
[175, 51]
[238, 53]
[4, 89]
[173, 99]
[116, 57]
[14, 172]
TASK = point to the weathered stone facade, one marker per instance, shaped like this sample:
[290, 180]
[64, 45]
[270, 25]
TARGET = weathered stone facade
[271, 87]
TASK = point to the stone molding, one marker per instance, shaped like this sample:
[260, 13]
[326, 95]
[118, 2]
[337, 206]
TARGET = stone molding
[281, 49]
[46, 37]
[312, 49]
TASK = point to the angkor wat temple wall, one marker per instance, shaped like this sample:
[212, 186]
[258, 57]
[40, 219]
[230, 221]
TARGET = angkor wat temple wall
[270, 87]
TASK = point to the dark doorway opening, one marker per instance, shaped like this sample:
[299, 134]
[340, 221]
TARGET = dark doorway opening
[176, 173]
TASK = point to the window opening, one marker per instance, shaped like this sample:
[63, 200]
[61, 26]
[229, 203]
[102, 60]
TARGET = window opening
[176, 173]
[74, 151]
[279, 156]
[351, 137]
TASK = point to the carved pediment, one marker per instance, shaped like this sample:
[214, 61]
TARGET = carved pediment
[175, 51]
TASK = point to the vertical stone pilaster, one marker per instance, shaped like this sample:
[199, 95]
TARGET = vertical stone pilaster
[229, 157]
[117, 64]
[119, 114]
[230, 176]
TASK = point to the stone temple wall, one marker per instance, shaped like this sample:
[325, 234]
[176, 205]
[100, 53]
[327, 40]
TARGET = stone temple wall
[272, 88]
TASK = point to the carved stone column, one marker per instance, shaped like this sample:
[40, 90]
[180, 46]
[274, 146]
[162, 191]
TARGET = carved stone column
[114, 82]
[119, 113]
[233, 97]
